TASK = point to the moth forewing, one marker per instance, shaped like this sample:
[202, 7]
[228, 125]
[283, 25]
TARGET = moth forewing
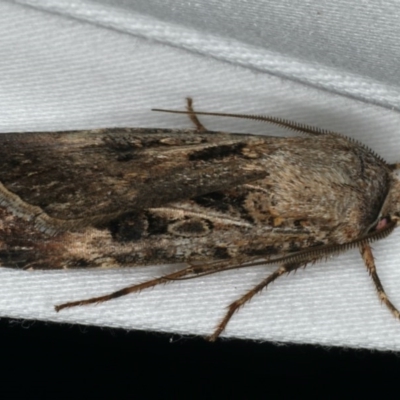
[214, 201]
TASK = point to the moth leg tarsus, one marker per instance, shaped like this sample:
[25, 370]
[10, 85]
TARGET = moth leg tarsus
[127, 290]
[193, 117]
[233, 307]
[366, 253]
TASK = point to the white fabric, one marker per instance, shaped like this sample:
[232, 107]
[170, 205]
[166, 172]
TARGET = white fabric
[345, 47]
[59, 73]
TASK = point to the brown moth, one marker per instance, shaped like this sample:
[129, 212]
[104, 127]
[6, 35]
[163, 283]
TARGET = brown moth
[125, 197]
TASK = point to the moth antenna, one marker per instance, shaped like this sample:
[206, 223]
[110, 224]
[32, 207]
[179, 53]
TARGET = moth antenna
[315, 253]
[282, 122]
[285, 123]
[138, 287]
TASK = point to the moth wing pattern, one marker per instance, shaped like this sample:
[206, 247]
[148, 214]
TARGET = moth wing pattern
[80, 178]
[216, 201]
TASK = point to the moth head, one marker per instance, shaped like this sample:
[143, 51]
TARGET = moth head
[391, 207]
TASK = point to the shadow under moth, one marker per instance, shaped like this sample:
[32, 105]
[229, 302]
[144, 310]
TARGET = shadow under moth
[214, 201]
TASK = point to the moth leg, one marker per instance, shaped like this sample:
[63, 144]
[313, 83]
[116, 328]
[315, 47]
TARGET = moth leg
[291, 125]
[233, 307]
[127, 290]
[194, 270]
[193, 117]
[366, 253]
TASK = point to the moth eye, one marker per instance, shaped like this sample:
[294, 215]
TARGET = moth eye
[382, 223]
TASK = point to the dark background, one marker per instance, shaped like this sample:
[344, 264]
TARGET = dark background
[47, 360]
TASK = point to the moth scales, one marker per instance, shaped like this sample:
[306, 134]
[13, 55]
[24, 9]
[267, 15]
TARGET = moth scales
[216, 201]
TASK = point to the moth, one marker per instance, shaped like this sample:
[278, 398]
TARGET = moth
[215, 201]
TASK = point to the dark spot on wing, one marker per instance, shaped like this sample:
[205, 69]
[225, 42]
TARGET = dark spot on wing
[317, 244]
[216, 201]
[157, 225]
[78, 263]
[263, 251]
[130, 227]
[297, 223]
[221, 253]
[217, 152]
[232, 202]
[125, 157]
